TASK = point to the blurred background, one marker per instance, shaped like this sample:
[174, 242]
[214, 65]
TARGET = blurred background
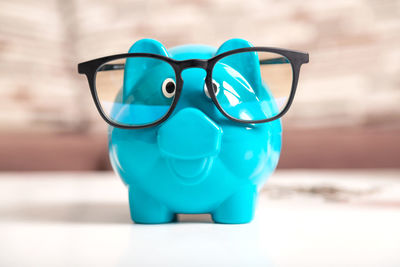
[334, 200]
[346, 113]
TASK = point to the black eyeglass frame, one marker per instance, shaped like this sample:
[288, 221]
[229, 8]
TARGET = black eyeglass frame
[91, 67]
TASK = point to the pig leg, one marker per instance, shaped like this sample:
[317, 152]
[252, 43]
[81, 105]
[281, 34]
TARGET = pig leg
[238, 208]
[145, 209]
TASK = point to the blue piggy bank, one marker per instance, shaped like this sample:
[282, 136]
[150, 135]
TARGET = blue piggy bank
[197, 161]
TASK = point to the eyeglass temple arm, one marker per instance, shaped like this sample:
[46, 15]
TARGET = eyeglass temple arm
[278, 60]
[106, 67]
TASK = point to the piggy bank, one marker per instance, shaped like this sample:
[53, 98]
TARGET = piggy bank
[197, 161]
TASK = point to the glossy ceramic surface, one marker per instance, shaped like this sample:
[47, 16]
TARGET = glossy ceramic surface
[197, 161]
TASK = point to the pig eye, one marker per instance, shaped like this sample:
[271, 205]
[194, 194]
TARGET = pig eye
[215, 86]
[168, 88]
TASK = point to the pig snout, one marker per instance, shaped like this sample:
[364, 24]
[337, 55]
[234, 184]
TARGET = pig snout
[190, 134]
[190, 140]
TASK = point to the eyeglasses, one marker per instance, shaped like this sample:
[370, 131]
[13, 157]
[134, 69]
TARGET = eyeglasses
[247, 85]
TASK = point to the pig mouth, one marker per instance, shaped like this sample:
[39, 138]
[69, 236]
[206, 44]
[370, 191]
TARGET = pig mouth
[190, 171]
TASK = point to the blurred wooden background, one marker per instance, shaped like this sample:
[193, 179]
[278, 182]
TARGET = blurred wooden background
[346, 111]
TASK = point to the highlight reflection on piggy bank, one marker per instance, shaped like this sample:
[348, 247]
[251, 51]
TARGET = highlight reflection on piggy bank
[194, 129]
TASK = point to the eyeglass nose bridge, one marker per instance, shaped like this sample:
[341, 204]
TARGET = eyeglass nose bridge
[193, 63]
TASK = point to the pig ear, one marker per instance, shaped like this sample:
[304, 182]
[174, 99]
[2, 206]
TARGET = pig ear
[136, 67]
[247, 64]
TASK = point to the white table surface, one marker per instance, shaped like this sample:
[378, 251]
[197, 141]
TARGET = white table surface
[304, 218]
